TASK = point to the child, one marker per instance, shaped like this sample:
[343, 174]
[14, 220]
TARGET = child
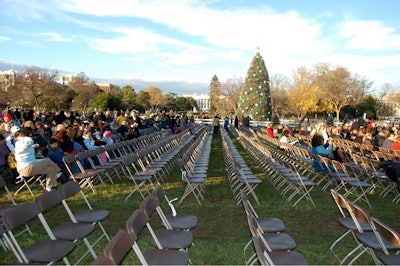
[55, 153]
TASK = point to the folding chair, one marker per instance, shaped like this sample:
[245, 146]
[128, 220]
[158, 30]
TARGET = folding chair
[84, 215]
[357, 187]
[368, 241]
[268, 257]
[176, 221]
[110, 167]
[164, 238]
[100, 172]
[345, 221]
[387, 235]
[194, 182]
[28, 182]
[42, 251]
[135, 225]
[68, 230]
[140, 179]
[267, 224]
[5, 208]
[82, 177]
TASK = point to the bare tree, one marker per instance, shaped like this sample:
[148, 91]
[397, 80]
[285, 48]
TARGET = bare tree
[279, 86]
[36, 85]
[229, 96]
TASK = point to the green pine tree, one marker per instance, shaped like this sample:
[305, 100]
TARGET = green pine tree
[255, 97]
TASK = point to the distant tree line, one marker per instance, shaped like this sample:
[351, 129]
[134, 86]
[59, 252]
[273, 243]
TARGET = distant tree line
[38, 89]
[319, 91]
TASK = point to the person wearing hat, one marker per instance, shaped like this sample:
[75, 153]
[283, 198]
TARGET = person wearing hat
[10, 139]
[28, 165]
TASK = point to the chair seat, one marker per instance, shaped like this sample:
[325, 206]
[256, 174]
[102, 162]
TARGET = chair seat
[173, 239]
[287, 258]
[348, 223]
[166, 257]
[392, 259]
[91, 216]
[49, 250]
[271, 225]
[369, 239]
[280, 241]
[182, 222]
[72, 231]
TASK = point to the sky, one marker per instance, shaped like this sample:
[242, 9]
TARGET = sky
[193, 40]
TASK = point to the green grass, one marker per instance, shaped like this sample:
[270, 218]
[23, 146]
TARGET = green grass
[222, 231]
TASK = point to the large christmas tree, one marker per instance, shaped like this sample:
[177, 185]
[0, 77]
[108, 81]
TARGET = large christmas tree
[255, 97]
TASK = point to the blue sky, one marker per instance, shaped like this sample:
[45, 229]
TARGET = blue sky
[191, 40]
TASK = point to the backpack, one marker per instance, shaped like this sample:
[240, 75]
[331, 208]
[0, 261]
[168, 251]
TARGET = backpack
[12, 163]
[393, 172]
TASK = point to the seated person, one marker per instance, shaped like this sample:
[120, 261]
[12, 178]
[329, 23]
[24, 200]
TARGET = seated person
[325, 150]
[55, 153]
[28, 165]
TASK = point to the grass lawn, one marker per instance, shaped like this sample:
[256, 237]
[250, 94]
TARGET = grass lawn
[222, 231]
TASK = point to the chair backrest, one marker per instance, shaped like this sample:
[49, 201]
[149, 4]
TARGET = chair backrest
[118, 247]
[136, 222]
[20, 215]
[69, 158]
[69, 189]
[359, 215]
[340, 201]
[383, 231]
[263, 260]
[49, 200]
[148, 205]
[159, 194]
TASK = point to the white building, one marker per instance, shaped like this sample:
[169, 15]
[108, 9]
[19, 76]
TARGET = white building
[202, 101]
[7, 79]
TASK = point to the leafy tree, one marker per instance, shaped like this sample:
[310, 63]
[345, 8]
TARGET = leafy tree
[128, 96]
[100, 102]
[337, 86]
[143, 99]
[303, 94]
[255, 98]
[157, 99]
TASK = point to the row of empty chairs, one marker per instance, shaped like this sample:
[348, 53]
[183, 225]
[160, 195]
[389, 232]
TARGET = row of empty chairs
[290, 178]
[371, 235]
[193, 165]
[240, 175]
[272, 245]
[170, 242]
[59, 240]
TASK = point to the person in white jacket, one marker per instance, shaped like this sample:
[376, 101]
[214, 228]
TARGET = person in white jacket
[28, 165]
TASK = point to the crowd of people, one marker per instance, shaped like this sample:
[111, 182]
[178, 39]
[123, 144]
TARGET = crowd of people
[33, 143]
[322, 136]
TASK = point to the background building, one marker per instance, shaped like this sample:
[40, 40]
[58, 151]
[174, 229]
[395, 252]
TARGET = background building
[202, 101]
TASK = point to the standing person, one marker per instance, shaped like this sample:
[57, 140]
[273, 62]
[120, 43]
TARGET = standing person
[28, 165]
[270, 131]
[216, 124]
[236, 122]
[226, 122]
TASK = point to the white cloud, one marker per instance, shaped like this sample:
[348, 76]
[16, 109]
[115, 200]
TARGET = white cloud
[4, 38]
[369, 35]
[54, 37]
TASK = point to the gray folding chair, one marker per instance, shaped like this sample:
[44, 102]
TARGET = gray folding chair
[41, 251]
